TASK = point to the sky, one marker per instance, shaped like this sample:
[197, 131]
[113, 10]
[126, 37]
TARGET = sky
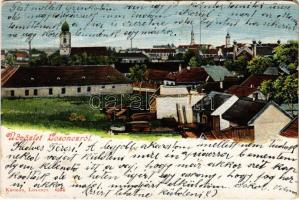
[282, 15]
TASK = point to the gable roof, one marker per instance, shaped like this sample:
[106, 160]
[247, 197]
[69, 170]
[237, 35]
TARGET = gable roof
[255, 80]
[64, 76]
[291, 129]
[210, 102]
[225, 106]
[91, 51]
[192, 75]
[217, 73]
[263, 110]
[242, 111]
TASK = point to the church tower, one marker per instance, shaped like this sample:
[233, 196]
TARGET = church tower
[192, 37]
[227, 40]
[65, 40]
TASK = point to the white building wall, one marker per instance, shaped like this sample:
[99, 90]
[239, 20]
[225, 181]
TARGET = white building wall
[174, 90]
[221, 109]
[69, 90]
[269, 124]
[166, 106]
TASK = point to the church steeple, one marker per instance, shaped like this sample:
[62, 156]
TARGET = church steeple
[227, 40]
[65, 40]
[192, 36]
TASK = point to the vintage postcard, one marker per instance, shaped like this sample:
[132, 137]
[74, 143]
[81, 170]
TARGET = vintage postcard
[149, 100]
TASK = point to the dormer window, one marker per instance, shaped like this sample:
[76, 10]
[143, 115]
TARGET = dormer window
[83, 77]
[58, 78]
[32, 78]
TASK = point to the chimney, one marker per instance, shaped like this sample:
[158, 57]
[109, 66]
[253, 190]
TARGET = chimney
[180, 67]
[221, 84]
[235, 49]
[254, 48]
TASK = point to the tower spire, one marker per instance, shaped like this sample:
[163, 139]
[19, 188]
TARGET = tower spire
[192, 36]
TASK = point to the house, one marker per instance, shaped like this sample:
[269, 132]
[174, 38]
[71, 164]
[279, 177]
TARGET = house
[159, 53]
[248, 50]
[176, 90]
[132, 57]
[223, 124]
[155, 75]
[188, 76]
[22, 56]
[268, 122]
[250, 87]
[178, 107]
[291, 129]
[219, 86]
[242, 111]
[65, 81]
[256, 80]
[203, 108]
[242, 91]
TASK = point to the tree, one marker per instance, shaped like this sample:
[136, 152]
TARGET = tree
[189, 54]
[259, 64]
[10, 59]
[137, 73]
[38, 58]
[287, 54]
[283, 89]
[55, 59]
[193, 62]
[239, 65]
[267, 89]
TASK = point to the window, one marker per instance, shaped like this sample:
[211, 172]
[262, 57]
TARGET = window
[113, 86]
[64, 40]
[62, 90]
[103, 86]
[12, 93]
[26, 92]
[88, 89]
[78, 89]
[35, 92]
[50, 91]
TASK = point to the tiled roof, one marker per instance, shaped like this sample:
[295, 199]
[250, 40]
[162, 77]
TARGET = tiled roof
[155, 74]
[192, 75]
[65, 76]
[240, 91]
[291, 130]
[256, 80]
[242, 111]
[22, 55]
[92, 51]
